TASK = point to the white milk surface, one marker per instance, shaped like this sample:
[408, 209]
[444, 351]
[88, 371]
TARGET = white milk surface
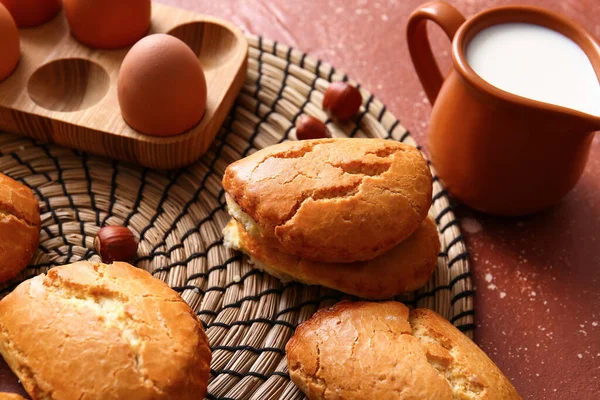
[536, 62]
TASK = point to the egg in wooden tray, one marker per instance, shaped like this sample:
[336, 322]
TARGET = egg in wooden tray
[9, 43]
[66, 92]
[30, 13]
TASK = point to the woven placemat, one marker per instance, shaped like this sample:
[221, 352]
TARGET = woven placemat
[178, 216]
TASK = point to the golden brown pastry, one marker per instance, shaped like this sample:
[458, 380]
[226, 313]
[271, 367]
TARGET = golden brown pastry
[331, 200]
[10, 396]
[405, 268]
[381, 351]
[95, 331]
[19, 227]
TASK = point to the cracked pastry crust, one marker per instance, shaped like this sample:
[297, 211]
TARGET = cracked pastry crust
[333, 200]
[19, 227]
[10, 396]
[382, 351]
[405, 268]
[95, 331]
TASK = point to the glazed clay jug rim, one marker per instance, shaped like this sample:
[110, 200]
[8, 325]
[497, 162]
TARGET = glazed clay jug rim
[525, 14]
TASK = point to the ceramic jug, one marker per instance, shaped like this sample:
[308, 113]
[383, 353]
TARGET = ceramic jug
[496, 151]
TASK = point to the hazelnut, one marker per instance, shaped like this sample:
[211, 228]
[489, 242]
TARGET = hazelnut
[341, 101]
[308, 127]
[116, 243]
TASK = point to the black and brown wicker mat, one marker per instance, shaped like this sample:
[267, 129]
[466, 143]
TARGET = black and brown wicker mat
[179, 215]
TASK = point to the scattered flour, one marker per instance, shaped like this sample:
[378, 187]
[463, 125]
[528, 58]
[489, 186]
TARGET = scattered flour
[471, 225]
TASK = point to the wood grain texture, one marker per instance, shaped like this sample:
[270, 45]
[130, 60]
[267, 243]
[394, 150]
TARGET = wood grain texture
[66, 93]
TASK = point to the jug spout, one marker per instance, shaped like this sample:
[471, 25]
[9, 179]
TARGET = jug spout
[567, 120]
[596, 123]
[589, 123]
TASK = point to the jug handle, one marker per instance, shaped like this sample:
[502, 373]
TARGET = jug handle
[449, 19]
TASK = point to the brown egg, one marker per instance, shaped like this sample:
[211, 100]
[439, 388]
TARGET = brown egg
[10, 49]
[29, 13]
[162, 89]
[108, 24]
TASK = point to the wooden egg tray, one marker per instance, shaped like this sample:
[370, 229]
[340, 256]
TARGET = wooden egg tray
[66, 93]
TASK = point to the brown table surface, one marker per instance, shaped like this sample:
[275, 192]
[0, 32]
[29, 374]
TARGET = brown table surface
[537, 298]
